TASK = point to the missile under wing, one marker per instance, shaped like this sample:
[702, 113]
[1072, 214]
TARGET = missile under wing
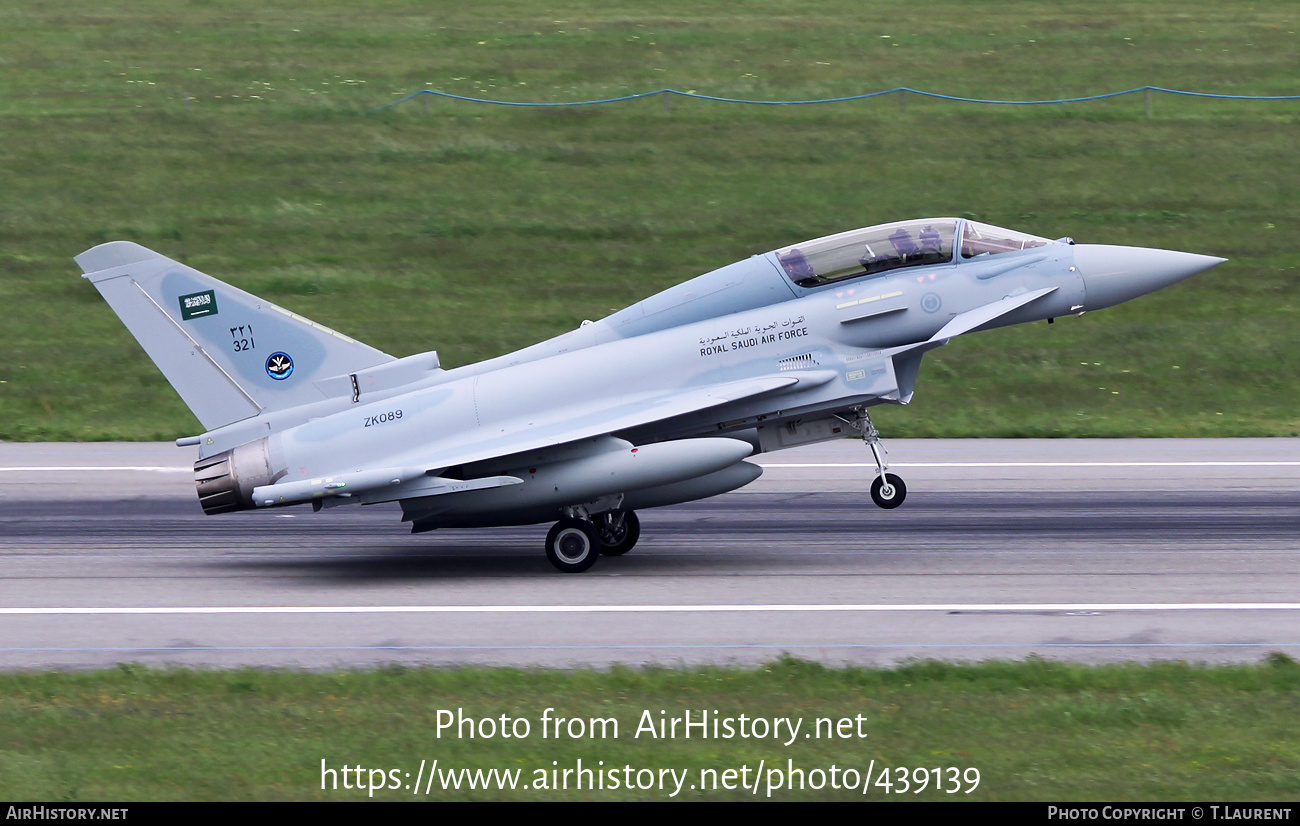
[657, 404]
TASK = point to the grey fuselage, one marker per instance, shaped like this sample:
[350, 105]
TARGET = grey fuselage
[656, 404]
[749, 320]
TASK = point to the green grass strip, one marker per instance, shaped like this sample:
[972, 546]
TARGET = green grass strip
[1033, 730]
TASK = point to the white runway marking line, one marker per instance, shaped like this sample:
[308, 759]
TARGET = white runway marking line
[37, 469]
[159, 469]
[660, 609]
[1029, 464]
[171, 649]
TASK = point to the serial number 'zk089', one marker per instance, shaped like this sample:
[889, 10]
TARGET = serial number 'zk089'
[390, 416]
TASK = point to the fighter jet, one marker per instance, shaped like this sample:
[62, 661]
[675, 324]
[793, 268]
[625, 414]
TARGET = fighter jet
[786, 348]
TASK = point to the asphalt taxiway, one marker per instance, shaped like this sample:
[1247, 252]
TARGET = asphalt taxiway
[1086, 550]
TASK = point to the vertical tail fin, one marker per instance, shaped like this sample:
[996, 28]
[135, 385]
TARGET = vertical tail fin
[229, 354]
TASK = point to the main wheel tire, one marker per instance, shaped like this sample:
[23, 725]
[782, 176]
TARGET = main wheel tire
[889, 492]
[573, 545]
[620, 540]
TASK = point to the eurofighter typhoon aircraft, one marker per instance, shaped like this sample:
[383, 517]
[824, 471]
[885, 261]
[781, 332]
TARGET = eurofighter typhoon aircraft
[657, 404]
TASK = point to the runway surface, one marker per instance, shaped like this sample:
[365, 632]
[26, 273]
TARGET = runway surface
[1085, 550]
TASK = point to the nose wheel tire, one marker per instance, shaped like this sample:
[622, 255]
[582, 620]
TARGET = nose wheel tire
[888, 492]
[618, 532]
[573, 545]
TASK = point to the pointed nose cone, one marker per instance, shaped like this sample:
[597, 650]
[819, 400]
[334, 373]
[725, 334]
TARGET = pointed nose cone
[1112, 275]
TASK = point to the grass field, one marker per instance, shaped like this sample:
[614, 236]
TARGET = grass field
[1033, 731]
[242, 140]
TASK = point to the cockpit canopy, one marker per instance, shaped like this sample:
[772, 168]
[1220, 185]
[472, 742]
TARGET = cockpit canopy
[981, 239]
[878, 249]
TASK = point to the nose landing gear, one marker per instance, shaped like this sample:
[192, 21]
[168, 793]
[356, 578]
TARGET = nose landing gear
[887, 490]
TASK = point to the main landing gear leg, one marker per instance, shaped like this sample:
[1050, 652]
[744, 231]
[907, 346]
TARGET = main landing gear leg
[581, 537]
[887, 490]
[618, 530]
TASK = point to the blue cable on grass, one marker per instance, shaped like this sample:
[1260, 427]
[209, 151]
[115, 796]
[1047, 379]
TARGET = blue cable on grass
[864, 96]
